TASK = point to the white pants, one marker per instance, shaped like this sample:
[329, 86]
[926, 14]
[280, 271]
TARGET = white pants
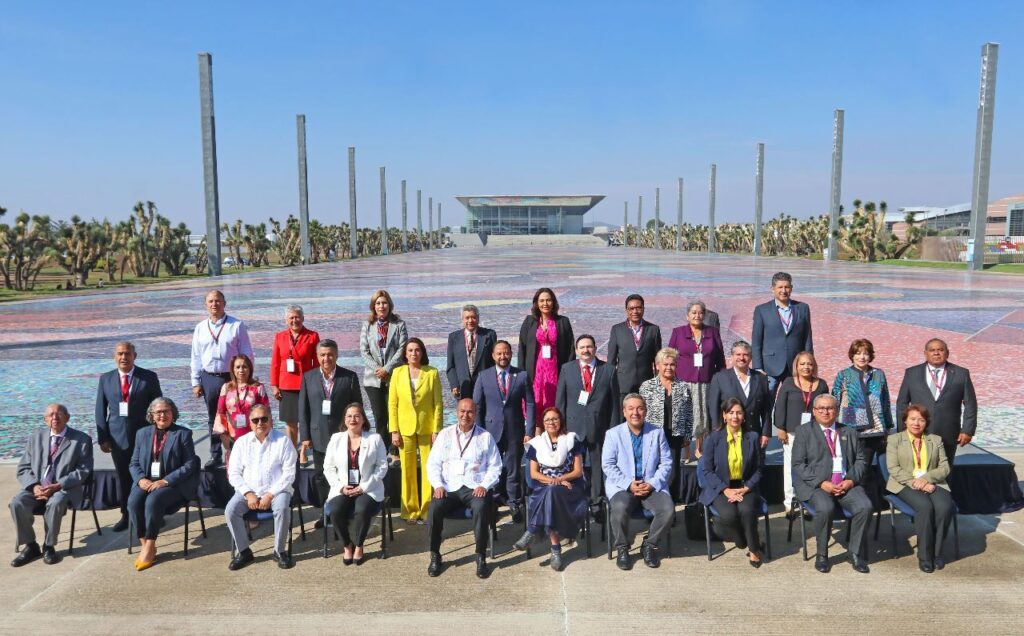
[787, 471]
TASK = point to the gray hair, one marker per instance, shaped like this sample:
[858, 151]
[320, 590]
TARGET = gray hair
[634, 396]
[63, 410]
[162, 400]
[294, 309]
[741, 344]
[327, 343]
[664, 353]
[125, 343]
[471, 308]
[826, 396]
[697, 303]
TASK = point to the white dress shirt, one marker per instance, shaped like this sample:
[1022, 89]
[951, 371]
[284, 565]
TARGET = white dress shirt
[929, 378]
[262, 467]
[212, 355]
[480, 461]
[743, 385]
[838, 442]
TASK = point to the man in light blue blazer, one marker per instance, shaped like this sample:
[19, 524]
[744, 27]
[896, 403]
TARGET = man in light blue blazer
[637, 464]
[782, 329]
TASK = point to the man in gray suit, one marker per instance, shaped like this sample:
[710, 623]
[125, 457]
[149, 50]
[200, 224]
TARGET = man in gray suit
[588, 397]
[828, 467]
[323, 396]
[632, 346]
[782, 329]
[122, 397]
[469, 352]
[52, 471]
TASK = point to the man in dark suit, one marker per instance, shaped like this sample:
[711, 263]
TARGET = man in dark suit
[632, 346]
[52, 470]
[122, 397]
[828, 467]
[782, 329]
[502, 394]
[323, 396]
[469, 352]
[588, 397]
[946, 390]
[747, 386]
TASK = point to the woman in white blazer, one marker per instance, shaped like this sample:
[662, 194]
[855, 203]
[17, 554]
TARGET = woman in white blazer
[355, 465]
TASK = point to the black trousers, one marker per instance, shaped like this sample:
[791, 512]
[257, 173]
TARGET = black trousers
[323, 487]
[379, 407]
[212, 385]
[480, 506]
[122, 458]
[361, 509]
[510, 484]
[738, 521]
[675, 444]
[148, 509]
[950, 451]
[873, 447]
[932, 515]
[855, 502]
[596, 474]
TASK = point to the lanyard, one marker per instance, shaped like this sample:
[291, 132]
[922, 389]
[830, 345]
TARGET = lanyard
[157, 450]
[698, 342]
[782, 316]
[637, 333]
[462, 449]
[936, 375]
[216, 336]
[806, 395]
[294, 341]
[126, 384]
[353, 458]
[546, 334]
[328, 384]
[916, 444]
[242, 400]
[829, 433]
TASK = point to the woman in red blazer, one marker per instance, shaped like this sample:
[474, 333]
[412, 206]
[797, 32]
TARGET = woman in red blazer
[294, 354]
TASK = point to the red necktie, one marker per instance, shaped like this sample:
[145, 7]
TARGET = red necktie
[504, 383]
[124, 388]
[588, 381]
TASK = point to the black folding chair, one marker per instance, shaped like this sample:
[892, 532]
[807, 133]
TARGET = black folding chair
[387, 526]
[202, 524]
[895, 503]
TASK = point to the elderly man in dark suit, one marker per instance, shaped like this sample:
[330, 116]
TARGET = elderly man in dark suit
[782, 329]
[588, 397]
[122, 397]
[946, 390]
[504, 401]
[55, 465]
[469, 352]
[828, 468]
[632, 346]
[323, 396]
[747, 386]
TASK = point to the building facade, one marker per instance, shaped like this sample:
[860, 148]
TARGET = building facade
[527, 214]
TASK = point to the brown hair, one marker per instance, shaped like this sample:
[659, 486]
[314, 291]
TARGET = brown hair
[561, 418]
[423, 350]
[554, 303]
[862, 343]
[362, 412]
[392, 316]
[796, 361]
[920, 409]
[231, 371]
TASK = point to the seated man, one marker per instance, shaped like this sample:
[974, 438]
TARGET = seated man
[262, 471]
[463, 466]
[56, 462]
[637, 464]
[828, 466]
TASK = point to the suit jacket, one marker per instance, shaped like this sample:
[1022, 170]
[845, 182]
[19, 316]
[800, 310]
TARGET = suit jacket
[773, 348]
[757, 407]
[602, 410]
[423, 418]
[304, 354]
[495, 412]
[371, 353]
[634, 366]
[73, 461]
[711, 347]
[899, 459]
[177, 459]
[619, 467]
[458, 363]
[812, 460]
[372, 462]
[111, 427]
[315, 426]
[713, 465]
[565, 346]
[957, 393]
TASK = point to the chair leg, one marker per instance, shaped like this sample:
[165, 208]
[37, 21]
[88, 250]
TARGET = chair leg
[383, 533]
[892, 527]
[707, 531]
[202, 521]
[586, 529]
[71, 538]
[849, 529]
[186, 530]
[878, 522]
[302, 524]
[956, 538]
[607, 528]
[803, 531]
[767, 537]
[323, 517]
[131, 534]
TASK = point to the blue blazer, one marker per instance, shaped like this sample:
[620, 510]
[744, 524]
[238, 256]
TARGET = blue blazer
[494, 414]
[617, 459]
[178, 459]
[773, 348]
[110, 426]
[714, 464]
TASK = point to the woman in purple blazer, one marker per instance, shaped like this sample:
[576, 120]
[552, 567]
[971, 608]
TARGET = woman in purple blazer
[701, 356]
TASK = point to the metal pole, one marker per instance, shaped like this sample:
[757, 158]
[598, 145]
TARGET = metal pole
[430, 223]
[383, 213]
[657, 218]
[758, 198]
[711, 210]
[625, 224]
[837, 183]
[300, 125]
[983, 154]
[353, 238]
[679, 218]
[405, 220]
[439, 224]
[210, 190]
[639, 218]
[419, 219]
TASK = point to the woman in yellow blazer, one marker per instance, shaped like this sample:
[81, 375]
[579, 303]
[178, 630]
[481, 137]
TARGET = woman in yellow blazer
[415, 409]
[918, 469]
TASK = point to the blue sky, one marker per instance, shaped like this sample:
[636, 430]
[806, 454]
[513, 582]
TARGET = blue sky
[100, 104]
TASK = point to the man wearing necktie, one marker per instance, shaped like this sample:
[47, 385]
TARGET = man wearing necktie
[828, 468]
[469, 353]
[782, 329]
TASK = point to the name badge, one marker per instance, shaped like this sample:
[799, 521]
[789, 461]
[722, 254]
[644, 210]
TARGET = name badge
[919, 474]
[122, 409]
[241, 421]
[837, 464]
[583, 399]
[325, 407]
[154, 470]
[545, 351]
[805, 418]
[457, 466]
[353, 476]
[290, 365]
[698, 360]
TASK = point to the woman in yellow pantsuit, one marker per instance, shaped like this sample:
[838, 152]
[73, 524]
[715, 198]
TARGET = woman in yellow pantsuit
[415, 409]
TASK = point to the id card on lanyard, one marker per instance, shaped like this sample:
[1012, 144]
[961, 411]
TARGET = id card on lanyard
[290, 362]
[154, 466]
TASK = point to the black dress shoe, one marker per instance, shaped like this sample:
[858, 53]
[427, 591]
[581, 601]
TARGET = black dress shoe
[926, 566]
[28, 554]
[860, 565]
[622, 560]
[319, 524]
[517, 512]
[284, 561]
[939, 563]
[434, 569]
[821, 564]
[525, 541]
[755, 564]
[213, 463]
[122, 524]
[482, 571]
[50, 555]
[556, 561]
[651, 558]
[241, 560]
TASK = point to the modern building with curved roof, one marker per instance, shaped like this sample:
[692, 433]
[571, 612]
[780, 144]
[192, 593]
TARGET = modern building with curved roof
[527, 214]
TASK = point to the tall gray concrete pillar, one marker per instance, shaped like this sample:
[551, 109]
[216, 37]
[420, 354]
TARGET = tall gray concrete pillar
[639, 218]
[405, 220]
[419, 218]
[383, 213]
[983, 154]
[625, 224]
[758, 198]
[430, 223]
[679, 217]
[300, 126]
[657, 218]
[712, 247]
[352, 222]
[838, 122]
[210, 191]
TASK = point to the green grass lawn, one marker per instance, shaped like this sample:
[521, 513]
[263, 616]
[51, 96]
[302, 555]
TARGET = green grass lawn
[1004, 268]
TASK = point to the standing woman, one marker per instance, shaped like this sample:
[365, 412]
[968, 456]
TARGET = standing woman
[793, 409]
[415, 408]
[668, 407]
[381, 343]
[294, 353]
[863, 396]
[701, 356]
[546, 342]
[237, 397]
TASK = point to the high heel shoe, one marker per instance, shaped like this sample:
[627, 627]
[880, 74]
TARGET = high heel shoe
[754, 564]
[141, 565]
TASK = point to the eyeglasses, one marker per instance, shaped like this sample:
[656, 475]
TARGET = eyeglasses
[161, 412]
[259, 420]
[825, 408]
